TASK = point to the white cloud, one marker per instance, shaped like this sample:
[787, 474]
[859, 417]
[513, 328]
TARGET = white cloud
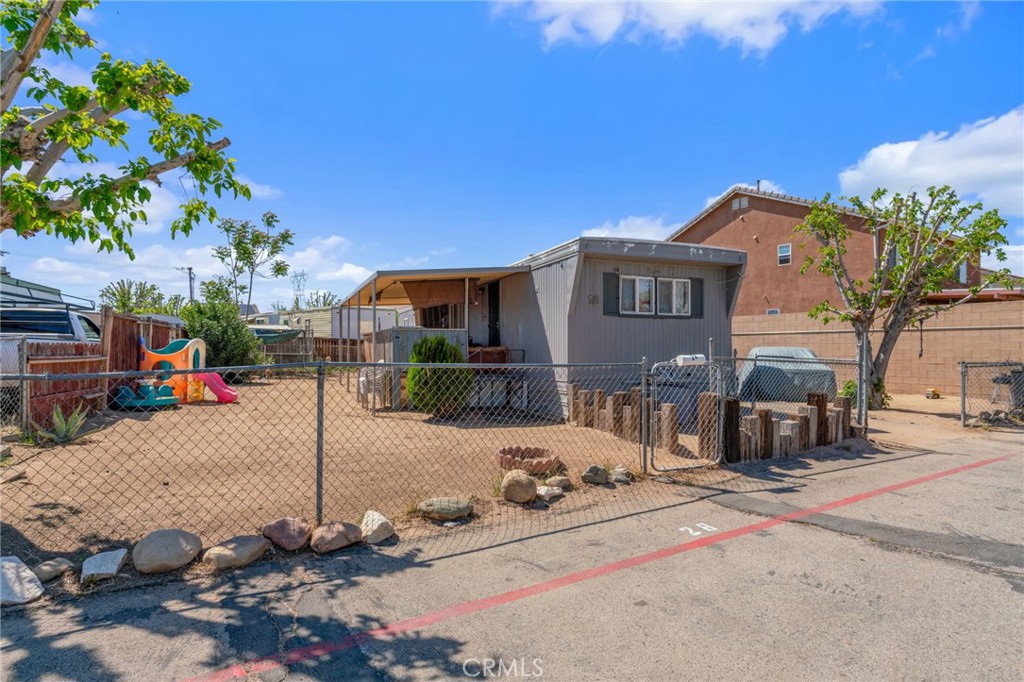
[260, 191]
[1014, 260]
[634, 227]
[754, 27]
[161, 209]
[766, 186]
[66, 71]
[984, 159]
[927, 53]
[969, 11]
[346, 272]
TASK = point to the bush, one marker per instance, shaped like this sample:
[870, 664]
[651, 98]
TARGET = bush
[437, 390]
[229, 342]
[850, 391]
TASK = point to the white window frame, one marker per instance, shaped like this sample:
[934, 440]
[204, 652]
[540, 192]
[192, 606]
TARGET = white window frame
[675, 282]
[961, 273]
[740, 203]
[789, 254]
[636, 295]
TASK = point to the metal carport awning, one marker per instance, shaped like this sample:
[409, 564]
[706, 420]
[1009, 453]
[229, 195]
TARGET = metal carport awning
[387, 288]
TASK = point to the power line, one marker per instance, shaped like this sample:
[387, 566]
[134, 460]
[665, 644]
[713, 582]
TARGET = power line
[9, 254]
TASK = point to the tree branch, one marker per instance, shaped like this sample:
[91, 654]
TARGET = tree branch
[53, 153]
[18, 65]
[74, 203]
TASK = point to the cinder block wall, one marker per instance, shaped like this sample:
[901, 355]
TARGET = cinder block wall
[974, 332]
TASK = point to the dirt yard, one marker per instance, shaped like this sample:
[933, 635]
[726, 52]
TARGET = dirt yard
[222, 470]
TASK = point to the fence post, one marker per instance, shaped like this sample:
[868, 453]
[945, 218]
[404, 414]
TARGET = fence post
[320, 375]
[643, 415]
[963, 393]
[24, 386]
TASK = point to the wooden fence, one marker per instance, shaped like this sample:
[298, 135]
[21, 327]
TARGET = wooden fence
[66, 357]
[122, 333]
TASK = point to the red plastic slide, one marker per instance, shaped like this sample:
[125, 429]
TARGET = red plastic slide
[213, 381]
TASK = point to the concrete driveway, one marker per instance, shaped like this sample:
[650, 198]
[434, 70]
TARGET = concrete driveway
[908, 564]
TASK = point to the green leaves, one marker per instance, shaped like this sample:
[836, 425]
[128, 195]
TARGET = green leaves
[81, 121]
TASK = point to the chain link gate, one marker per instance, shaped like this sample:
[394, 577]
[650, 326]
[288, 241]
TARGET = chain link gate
[682, 414]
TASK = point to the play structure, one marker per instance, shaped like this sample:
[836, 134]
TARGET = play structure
[189, 354]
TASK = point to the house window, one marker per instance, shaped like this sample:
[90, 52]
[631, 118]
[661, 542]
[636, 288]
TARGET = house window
[772, 311]
[962, 273]
[673, 296]
[636, 295]
[785, 254]
[739, 203]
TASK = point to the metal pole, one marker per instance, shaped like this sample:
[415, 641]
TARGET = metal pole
[963, 394]
[23, 385]
[320, 443]
[373, 344]
[348, 347]
[643, 415]
[465, 320]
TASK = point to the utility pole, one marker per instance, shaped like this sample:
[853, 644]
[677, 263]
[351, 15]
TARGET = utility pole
[191, 282]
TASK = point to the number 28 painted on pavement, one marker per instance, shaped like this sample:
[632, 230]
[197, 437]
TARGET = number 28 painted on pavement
[694, 533]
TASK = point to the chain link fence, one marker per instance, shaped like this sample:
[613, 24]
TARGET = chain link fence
[992, 393]
[773, 398]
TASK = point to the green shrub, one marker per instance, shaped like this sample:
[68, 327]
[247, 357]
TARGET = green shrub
[436, 390]
[850, 391]
[229, 342]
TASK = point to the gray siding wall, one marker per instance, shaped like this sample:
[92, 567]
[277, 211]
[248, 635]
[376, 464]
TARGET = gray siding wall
[534, 310]
[596, 337]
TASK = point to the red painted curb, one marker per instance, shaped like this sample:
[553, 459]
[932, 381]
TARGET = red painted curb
[265, 663]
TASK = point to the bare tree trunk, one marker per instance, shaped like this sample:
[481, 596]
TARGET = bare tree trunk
[248, 301]
[880, 361]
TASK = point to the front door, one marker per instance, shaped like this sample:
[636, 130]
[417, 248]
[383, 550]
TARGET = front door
[493, 314]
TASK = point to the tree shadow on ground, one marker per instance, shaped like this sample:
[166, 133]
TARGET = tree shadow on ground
[281, 617]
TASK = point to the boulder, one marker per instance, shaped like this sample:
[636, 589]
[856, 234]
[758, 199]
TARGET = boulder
[48, 570]
[236, 552]
[620, 474]
[563, 482]
[376, 527]
[103, 565]
[517, 486]
[289, 533]
[165, 550]
[335, 535]
[18, 584]
[549, 492]
[445, 508]
[595, 475]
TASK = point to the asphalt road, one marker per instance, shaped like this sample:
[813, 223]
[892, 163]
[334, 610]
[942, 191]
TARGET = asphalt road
[908, 565]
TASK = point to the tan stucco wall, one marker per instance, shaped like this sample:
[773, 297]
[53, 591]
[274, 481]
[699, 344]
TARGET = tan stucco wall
[974, 332]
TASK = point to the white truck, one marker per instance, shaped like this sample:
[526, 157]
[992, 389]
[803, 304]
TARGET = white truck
[57, 325]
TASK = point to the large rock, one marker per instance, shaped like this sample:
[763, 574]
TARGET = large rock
[18, 584]
[335, 535]
[165, 550]
[289, 533]
[531, 460]
[103, 565]
[563, 482]
[595, 475]
[376, 527]
[620, 474]
[445, 508]
[48, 570]
[517, 486]
[549, 492]
[236, 552]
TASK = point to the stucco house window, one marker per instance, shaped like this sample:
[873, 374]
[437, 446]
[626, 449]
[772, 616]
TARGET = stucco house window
[785, 254]
[673, 296]
[739, 203]
[962, 273]
[636, 295]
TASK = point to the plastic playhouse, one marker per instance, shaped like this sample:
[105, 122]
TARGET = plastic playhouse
[171, 389]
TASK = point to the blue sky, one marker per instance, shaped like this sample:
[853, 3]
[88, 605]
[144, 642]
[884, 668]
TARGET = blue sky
[393, 135]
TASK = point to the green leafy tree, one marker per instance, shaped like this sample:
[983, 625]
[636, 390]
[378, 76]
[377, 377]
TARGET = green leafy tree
[922, 242]
[440, 391]
[53, 119]
[320, 299]
[219, 289]
[130, 296]
[278, 307]
[172, 305]
[229, 342]
[252, 251]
